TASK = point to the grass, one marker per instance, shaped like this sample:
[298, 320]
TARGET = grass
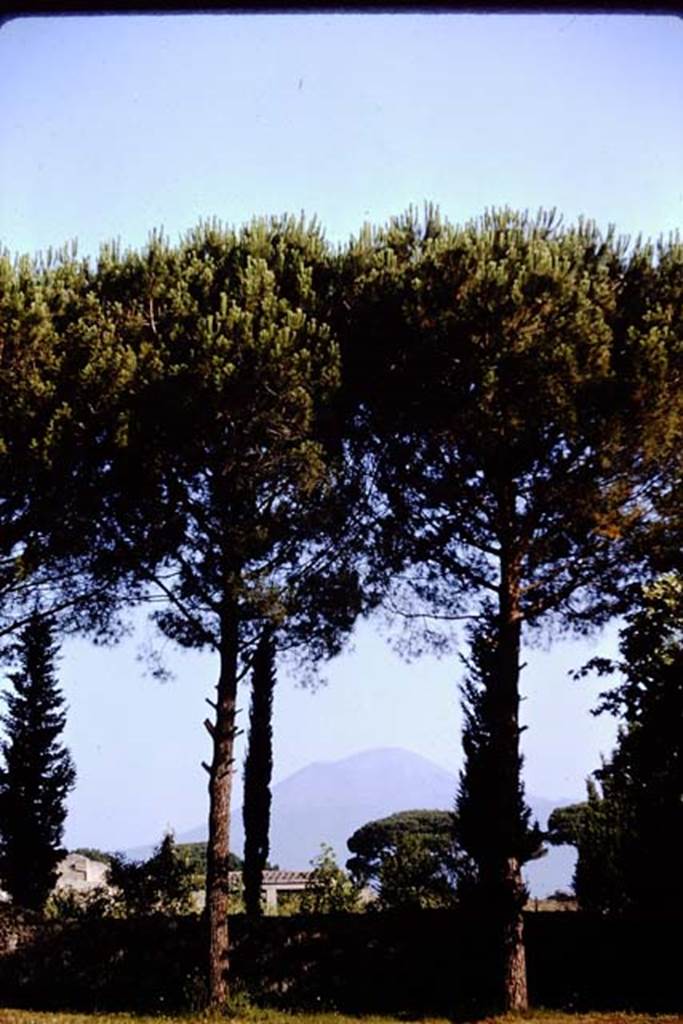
[254, 1016]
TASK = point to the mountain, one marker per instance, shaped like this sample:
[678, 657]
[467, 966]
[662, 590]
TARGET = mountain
[328, 800]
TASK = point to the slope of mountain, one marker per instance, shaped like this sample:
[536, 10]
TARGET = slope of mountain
[328, 800]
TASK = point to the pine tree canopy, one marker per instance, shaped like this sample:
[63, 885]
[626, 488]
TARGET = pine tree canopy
[517, 385]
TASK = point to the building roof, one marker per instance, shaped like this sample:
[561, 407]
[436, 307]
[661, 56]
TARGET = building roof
[277, 877]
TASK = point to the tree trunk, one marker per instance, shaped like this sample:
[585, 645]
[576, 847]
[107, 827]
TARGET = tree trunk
[506, 863]
[514, 954]
[220, 790]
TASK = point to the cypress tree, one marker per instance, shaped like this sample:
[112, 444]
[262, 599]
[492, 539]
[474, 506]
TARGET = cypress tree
[258, 769]
[487, 804]
[491, 812]
[38, 771]
[482, 789]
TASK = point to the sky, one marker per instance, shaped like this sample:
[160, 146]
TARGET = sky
[112, 126]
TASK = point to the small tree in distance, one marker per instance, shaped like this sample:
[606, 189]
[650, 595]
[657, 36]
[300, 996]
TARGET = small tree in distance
[37, 772]
[161, 885]
[329, 889]
[410, 859]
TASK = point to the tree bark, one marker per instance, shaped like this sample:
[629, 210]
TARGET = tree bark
[514, 954]
[220, 790]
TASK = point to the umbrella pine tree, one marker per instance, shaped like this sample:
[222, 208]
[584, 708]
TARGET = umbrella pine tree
[517, 394]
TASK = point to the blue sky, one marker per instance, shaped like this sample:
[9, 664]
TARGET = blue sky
[111, 126]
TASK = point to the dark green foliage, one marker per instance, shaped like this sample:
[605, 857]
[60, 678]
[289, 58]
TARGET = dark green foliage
[66, 904]
[161, 885]
[422, 965]
[258, 768]
[37, 771]
[410, 859]
[480, 810]
[629, 836]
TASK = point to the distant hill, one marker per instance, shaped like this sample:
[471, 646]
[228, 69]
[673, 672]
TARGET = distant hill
[328, 800]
